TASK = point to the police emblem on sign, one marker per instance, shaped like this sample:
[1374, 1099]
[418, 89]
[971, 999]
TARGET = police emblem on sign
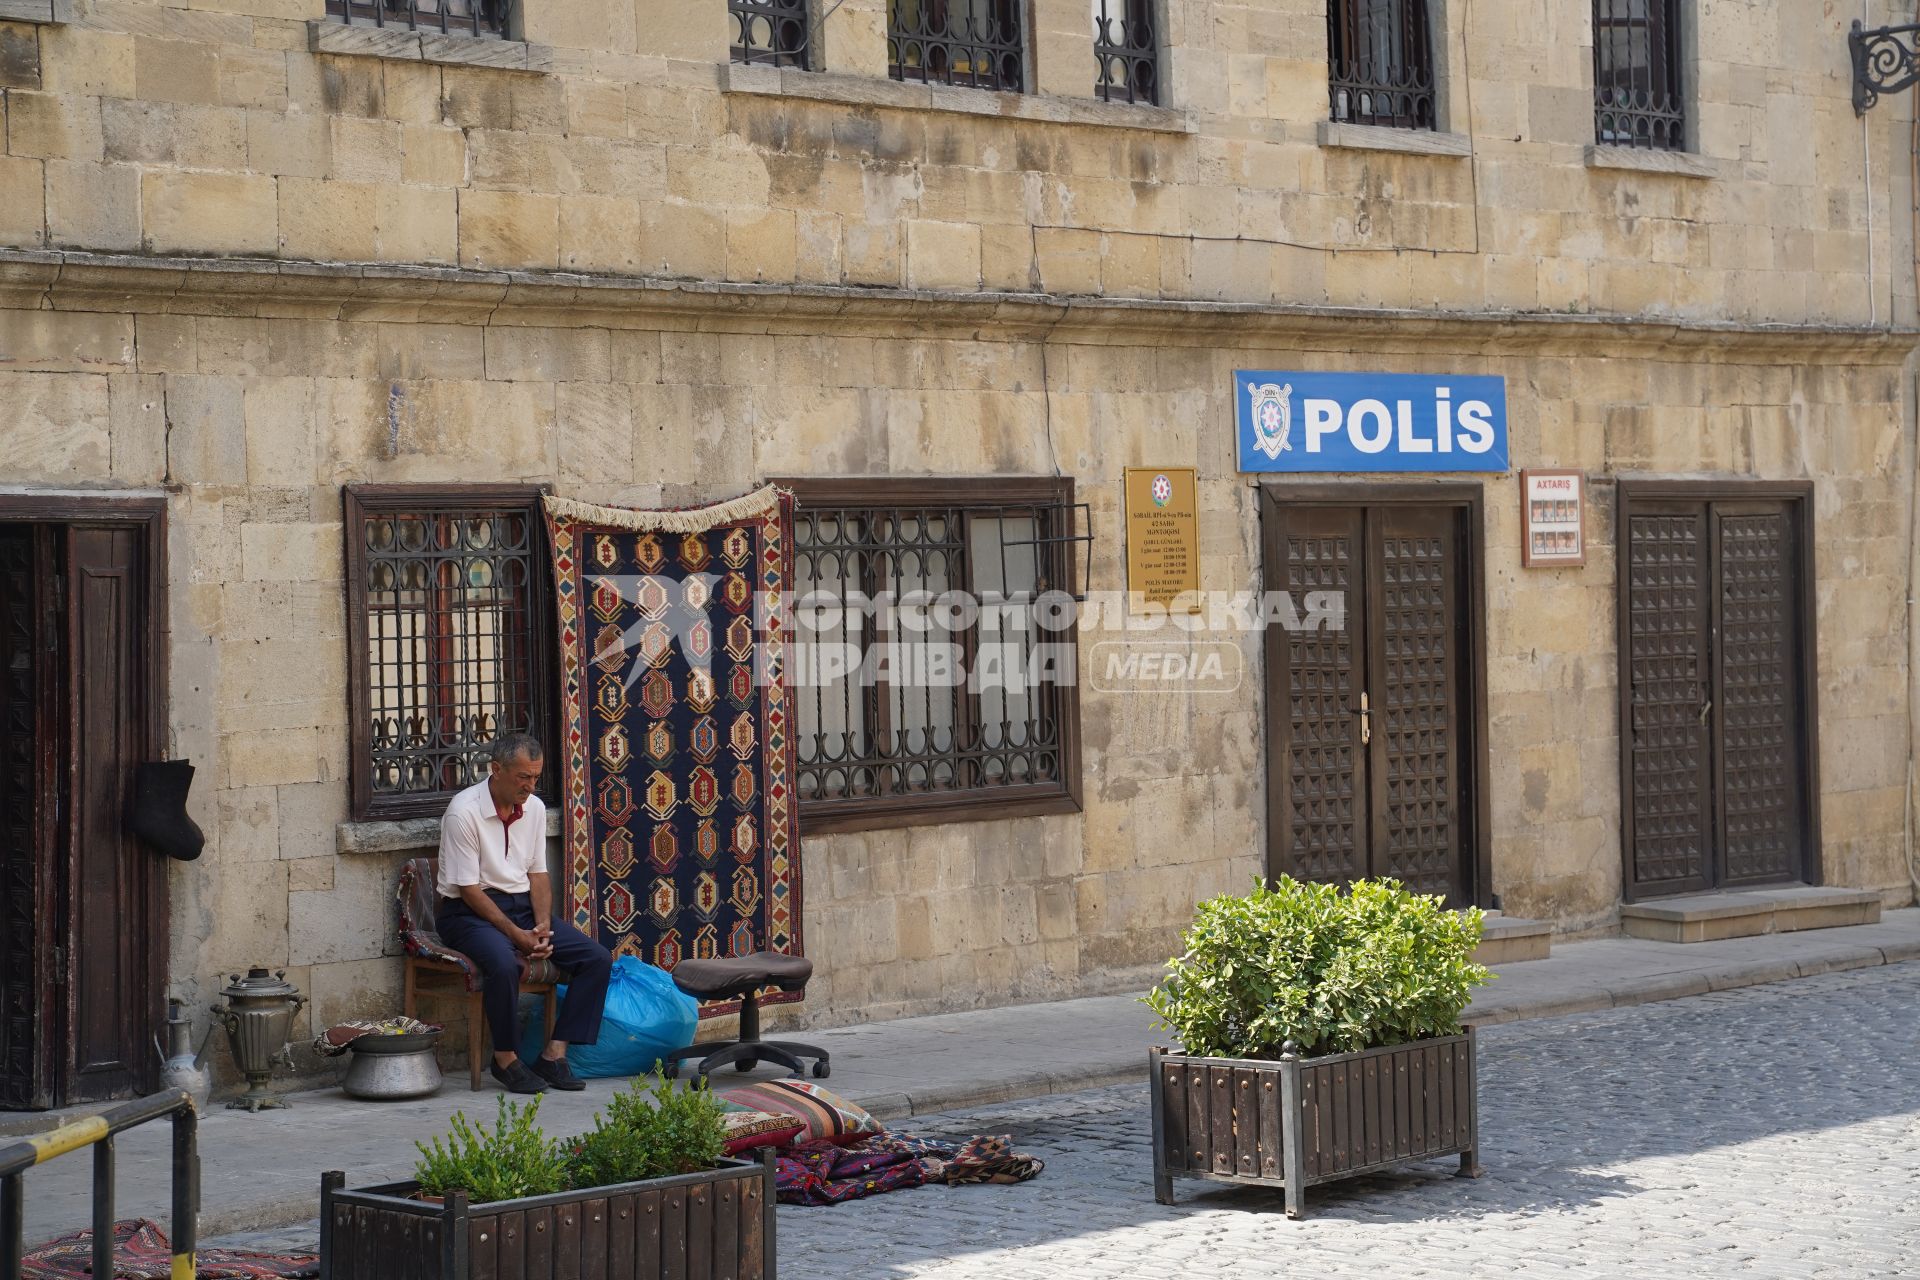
[1272, 418]
[1162, 491]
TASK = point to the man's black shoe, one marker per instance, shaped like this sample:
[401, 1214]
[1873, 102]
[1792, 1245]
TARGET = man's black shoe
[517, 1078]
[558, 1073]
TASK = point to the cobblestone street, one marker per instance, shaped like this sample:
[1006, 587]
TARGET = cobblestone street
[1772, 1131]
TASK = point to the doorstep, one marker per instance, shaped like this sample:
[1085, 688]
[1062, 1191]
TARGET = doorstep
[1745, 913]
[1510, 939]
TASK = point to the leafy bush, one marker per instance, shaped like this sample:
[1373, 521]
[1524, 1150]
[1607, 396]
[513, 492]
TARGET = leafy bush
[1332, 971]
[514, 1160]
[649, 1134]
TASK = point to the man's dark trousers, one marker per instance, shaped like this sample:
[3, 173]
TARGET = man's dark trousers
[584, 961]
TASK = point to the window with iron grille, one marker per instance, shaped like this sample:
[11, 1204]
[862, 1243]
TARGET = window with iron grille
[452, 17]
[1127, 51]
[447, 611]
[890, 733]
[769, 32]
[1380, 63]
[1637, 98]
[977, 43]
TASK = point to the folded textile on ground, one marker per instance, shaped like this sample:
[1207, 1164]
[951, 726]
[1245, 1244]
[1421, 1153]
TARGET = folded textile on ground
[978, 1159]
[337, 1039]
[821, 1172]
[141, 1252]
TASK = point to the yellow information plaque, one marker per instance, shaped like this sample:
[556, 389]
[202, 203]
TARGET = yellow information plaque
[1163, 535]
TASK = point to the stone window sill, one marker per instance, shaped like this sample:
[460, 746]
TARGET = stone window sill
[1413, 142]
[1681, 164]
[332, 36]
[36, 10]
[870, 91]
[406, 835]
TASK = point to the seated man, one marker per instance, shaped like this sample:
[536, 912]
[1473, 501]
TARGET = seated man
[496, 905]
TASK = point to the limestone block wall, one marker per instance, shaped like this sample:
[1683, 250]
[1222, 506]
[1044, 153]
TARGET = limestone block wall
[250, 407]
[209, 127]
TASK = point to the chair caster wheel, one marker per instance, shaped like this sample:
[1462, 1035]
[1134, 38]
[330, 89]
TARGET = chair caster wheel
[746, 1064]
[820, 1070]
[670, 1070]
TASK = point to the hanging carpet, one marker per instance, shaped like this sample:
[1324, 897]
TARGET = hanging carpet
[681, 828]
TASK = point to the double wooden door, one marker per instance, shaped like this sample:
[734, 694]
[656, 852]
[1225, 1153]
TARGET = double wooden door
[83, 901]
[1716, 683]
[1372, 719]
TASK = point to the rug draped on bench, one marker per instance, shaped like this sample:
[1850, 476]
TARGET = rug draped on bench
[681, 827]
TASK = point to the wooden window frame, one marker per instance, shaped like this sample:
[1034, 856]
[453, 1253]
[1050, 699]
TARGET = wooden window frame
[362, 500]
[981, 804]
[1671, 21]
[901, 36]
[1418, 54]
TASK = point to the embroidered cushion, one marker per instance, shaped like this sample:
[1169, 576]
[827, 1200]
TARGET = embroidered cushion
[828, 1116]
[747, 1128]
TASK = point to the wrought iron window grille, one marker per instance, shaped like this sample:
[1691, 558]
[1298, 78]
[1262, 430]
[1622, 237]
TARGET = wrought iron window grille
[1380, 63]
[484, 18]
[448, 609]
[1127, 50]
[770, 32]
[978, 44]
[1885, 60]
[888, 734]
[1637, 98]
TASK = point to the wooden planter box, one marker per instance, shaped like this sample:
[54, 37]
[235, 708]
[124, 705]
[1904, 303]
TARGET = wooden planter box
[1301, 1121]
[716, 1225]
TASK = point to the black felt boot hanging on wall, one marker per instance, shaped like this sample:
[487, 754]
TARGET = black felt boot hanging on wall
[160, 809]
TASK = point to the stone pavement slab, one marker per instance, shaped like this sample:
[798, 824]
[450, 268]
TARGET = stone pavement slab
[1733, 1135]
[264, 1169]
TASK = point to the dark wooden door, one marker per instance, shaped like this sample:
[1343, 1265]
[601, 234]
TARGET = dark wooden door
[112, 990]
[83, 898]
[1368, 772]
[1717, 753]
[29, 745]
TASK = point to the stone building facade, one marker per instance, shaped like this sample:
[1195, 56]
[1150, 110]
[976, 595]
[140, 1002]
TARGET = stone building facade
[251, 253]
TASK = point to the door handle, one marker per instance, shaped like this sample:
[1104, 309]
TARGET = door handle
[1704, 708]
[1366, 720]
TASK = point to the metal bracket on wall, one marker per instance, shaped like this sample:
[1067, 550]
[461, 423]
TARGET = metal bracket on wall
[1885, 60]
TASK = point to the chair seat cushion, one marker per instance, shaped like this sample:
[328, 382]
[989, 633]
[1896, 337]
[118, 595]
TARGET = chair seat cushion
[737, 975]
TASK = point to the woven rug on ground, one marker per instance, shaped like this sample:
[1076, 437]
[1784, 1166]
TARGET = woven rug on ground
[141, 1252]
[681, 828]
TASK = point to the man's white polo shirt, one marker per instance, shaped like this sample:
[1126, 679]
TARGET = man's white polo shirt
[476, 847]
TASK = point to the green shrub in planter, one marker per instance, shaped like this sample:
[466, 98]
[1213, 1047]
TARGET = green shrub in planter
[1332, 970]
[649, 1134]
[516, 1159]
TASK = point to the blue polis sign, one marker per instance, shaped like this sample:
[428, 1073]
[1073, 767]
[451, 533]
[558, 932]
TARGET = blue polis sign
[1290, 421]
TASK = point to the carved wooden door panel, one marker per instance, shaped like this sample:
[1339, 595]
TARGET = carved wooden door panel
[1761, 790]
[1715, 735]
[113, 988]
[1669, 594]
[1317, 767]
[1415, 656]
[1366, 774]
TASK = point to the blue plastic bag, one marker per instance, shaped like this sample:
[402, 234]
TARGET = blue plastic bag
[646, 1017]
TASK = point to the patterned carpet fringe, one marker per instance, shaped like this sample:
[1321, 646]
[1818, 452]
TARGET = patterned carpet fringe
[747, 506]
[141, 1251]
